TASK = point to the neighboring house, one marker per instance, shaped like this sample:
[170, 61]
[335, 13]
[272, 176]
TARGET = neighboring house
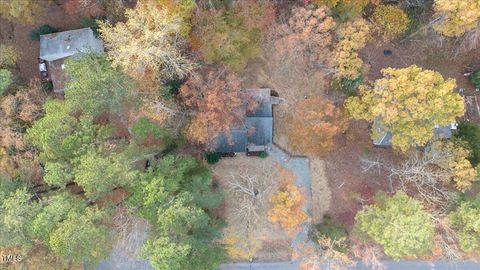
[385, 139]
[255, 134]
[56, 47]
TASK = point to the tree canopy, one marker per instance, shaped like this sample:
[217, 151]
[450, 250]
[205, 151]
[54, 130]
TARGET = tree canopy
[219, 105]
[456, 16]
[174, 197]
[5, 80]
[95, 86]
[149, 45]
[232, 37]
[81, 237]
[23, 12]
[409, 103]
[465, 220]
[315, 122]
[399, 224]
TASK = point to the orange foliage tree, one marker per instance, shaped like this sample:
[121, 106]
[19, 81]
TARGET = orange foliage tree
[315, 122]
[287, 205]
[217, 104]
[18, 111]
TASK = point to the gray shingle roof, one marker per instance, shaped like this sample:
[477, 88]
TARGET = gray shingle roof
[237, 142]
[444, 132]
[260, 130]
[257, 130]
[64, 44]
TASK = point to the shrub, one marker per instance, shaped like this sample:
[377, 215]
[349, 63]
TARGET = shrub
[212, 157]
[263, 154]
[42, 30]
[329, 229]
[470, 133]
[344, 9]
[5, 80]
[90, 22]
[347, 86]
[171, 88]
[390, 21]
[8, 56]
[475, 79]
[47, 86]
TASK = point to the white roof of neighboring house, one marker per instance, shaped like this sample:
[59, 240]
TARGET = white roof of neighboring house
[64, 44]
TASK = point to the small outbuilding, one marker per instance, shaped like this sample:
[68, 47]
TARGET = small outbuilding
[443, 132]
[56, 47]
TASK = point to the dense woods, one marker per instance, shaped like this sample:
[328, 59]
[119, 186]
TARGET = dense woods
[136, 128]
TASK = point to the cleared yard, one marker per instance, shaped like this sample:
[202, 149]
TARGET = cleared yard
[249, 183]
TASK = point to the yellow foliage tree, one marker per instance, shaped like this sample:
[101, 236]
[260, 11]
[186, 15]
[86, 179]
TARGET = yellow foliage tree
[22, 11]
[457, 16]
[454, 159]
[184, 10]
[315, 122]
[390, 21]
[8, 56]
[287, 206]
[409, 103]
[353, 36]
[147, 43]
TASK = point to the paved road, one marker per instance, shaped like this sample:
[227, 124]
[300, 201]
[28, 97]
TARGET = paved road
[391, 265]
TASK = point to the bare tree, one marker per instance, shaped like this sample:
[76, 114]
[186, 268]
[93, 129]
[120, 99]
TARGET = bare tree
[251, 192]
[422, 171]
[130, 231]
[370, 254]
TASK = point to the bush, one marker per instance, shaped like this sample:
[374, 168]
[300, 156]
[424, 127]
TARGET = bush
[90, 22]
[42, 30]
[390, 21]
[475, 79]
[5, 80]
[415, 13]
[263, 154]
[171, 89]
[47, 86]
[8, 56]
[344, 9]
[212, 157]
[328, 228]
[471, 134]
[347, 86]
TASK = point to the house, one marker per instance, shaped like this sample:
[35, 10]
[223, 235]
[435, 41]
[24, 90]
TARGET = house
[255, 133]
[56, 47]
[386, 136]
